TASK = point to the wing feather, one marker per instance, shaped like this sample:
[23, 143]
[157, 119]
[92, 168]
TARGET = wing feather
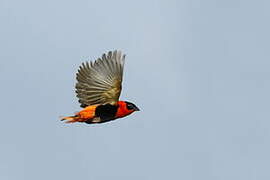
[100, 82]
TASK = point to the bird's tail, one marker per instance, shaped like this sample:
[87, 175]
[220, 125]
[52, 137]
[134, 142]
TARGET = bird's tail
[71, 119]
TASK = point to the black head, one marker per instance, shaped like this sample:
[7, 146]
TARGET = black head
[131, 106]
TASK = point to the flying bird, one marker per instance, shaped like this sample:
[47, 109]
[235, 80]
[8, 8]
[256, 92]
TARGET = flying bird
[98, 88]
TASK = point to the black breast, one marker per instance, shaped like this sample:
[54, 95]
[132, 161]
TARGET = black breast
[106, 112]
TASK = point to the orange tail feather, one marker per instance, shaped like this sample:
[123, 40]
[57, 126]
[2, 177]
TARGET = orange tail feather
[73, 119]
[70, 119]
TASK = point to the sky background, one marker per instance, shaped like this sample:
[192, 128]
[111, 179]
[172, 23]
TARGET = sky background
[197, 69]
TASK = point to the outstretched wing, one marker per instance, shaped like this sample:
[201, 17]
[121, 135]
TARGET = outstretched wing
[100, 82]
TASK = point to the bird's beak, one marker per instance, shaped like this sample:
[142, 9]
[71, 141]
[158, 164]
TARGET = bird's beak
[136, 108]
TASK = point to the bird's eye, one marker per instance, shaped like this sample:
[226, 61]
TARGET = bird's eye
[129, 106]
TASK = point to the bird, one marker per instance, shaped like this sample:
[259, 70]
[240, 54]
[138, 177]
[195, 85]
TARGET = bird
[98, 88]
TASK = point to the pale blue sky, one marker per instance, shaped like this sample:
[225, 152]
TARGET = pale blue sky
[197, 69]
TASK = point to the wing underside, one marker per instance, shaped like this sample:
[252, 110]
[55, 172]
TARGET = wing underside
[99, 82]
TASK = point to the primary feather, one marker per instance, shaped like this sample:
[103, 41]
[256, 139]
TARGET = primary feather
[100, 82]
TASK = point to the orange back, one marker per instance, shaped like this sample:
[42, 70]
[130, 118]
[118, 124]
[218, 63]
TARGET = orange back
[88, 112]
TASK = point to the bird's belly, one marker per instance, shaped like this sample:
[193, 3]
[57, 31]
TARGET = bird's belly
[102, 114]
